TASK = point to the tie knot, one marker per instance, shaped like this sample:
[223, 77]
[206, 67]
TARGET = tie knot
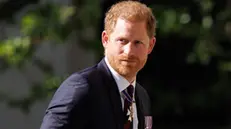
[130, 90]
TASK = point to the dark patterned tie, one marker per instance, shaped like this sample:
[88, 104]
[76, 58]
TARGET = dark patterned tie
[128, 111]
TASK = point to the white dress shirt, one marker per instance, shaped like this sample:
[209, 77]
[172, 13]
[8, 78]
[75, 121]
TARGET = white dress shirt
[122, 84]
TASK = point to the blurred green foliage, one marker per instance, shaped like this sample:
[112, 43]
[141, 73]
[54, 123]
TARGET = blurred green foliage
[14, 50]
[46, 22]
[210, 34]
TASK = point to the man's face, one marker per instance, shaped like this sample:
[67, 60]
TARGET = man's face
[127, 47]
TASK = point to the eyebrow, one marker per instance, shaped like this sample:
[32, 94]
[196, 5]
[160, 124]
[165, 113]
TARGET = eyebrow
[122, 37]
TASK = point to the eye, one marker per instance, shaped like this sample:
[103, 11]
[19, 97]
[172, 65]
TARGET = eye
[138, 42]
[123, 41]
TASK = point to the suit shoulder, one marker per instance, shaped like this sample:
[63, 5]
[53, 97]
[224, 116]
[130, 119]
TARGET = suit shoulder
[81, 76]
[88, 71]
[75, 86]
[143, 93]
[141, 89]
[145, 100]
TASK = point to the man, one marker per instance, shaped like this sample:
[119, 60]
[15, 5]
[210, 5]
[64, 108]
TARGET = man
[107, 96]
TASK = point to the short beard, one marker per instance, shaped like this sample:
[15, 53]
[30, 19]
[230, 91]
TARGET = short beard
[127, 71]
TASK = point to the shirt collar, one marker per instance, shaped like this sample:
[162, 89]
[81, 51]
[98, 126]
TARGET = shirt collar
[121, 82]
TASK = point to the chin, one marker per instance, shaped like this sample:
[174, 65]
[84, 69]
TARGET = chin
[127, 71]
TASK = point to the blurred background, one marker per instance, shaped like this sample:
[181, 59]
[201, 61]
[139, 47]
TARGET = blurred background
[187, 75]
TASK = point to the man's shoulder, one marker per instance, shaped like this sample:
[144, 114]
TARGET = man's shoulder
[142, 92]
[82, 75]
[144, 99]
[140, 88]
[87, 71]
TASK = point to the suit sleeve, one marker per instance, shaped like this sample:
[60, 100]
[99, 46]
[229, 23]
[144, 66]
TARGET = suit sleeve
[68, 103]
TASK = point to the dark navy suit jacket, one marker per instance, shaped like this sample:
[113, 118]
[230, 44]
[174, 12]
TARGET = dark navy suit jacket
[90, 99]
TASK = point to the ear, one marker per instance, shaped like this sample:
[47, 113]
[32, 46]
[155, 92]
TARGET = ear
[104, 38]
[152, 43]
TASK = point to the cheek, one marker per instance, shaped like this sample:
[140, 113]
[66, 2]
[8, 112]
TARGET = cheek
[117, 49]
[113, 49]
[143, 55]
[142, 51]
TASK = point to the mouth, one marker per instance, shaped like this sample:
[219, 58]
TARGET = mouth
[128, 61]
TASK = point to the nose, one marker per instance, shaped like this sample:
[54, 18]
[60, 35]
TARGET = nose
[129, 49]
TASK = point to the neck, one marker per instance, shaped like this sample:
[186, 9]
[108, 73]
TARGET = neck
[130, 79]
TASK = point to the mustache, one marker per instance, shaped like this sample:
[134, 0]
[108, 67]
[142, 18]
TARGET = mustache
[128, 58]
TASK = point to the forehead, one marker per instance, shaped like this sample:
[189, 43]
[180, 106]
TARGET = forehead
[130, 28]
[128, 24]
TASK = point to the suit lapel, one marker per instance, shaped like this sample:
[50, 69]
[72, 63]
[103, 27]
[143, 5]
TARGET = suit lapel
[139, 108]
[113, 93]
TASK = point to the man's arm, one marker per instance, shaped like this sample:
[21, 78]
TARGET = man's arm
[68, 102]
